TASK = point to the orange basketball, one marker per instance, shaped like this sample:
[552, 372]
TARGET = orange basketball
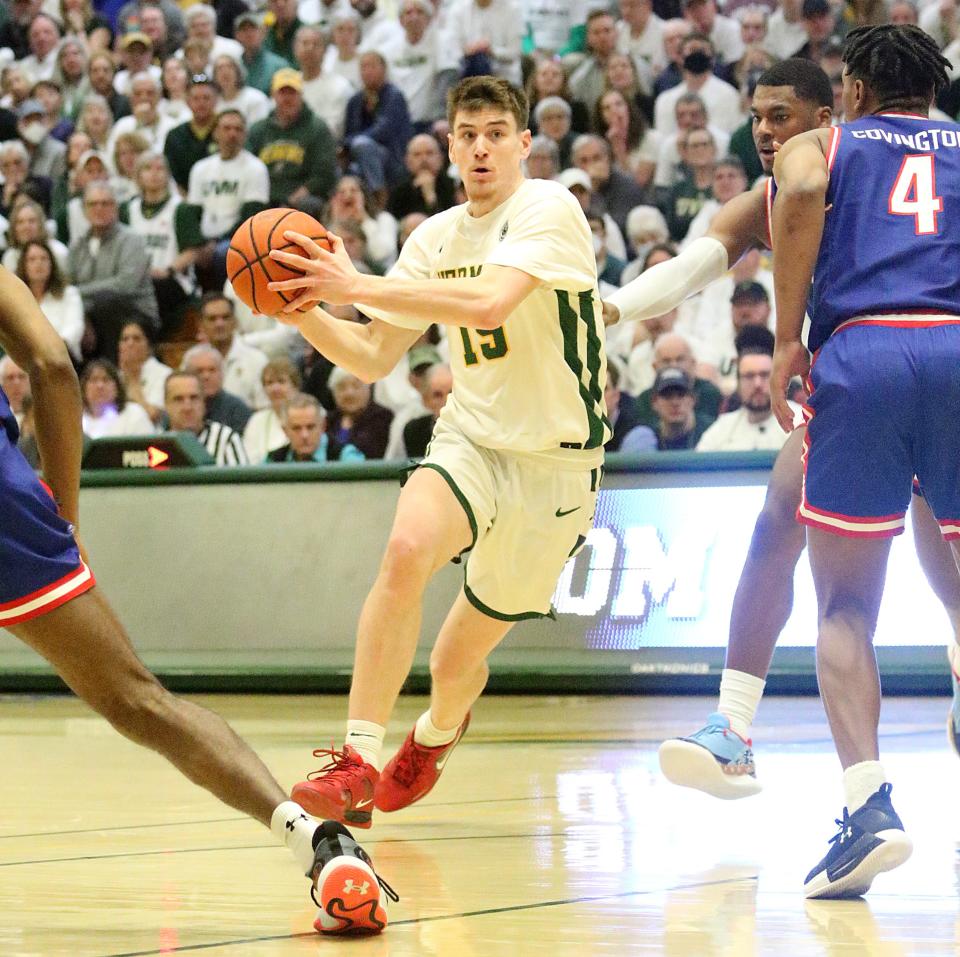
[249, 265]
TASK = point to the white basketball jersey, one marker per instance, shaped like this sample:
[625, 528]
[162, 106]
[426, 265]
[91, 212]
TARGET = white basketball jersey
[536, 383]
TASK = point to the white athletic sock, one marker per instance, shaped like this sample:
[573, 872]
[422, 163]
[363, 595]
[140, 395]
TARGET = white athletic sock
[740, 695]
[860, 781]
[429, 735]
[292, 826]
[366, 738]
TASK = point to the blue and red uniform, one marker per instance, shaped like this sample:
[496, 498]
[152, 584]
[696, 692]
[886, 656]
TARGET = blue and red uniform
[40, 566]
[885, 330]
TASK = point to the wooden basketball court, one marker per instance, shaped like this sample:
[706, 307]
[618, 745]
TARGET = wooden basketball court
[551, 833]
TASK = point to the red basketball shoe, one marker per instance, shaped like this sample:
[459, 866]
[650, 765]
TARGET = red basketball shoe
[341, 790]
[349, 893]
[413, 771]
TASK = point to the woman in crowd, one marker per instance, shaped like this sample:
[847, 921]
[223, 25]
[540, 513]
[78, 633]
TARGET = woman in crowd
[264, 431]
[106, 411]
[71, 74]
[175, 80]
[143, 375]
[96, 120]
[231, 76]
[59, 302]
[28, 224]
[356, 419]
[553, 116]
[622, 75]
[634, 144]
[82, 23]
[127, 150]
[549, 79]
[348, 204]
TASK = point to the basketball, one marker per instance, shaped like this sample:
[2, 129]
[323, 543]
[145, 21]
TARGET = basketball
[249, 266]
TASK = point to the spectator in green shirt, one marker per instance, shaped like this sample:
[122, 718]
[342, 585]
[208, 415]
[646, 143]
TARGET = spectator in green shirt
[279, 39]
[259, 62]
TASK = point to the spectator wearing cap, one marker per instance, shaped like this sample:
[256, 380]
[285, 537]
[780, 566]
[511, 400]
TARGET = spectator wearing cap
[47, 156]
[616, 191]
[191, 142]
[280, 33]
[421, 358]
[752, 426]
[201, 23]
[146, 119]
[43, 37]
[579, 183]
[589, 79]
[418, 432]
[356, 418]
[305, 425]
[554, 116]
[723, 32]
[822, 27]
[749, 306]
[543, 162]
[488, 34]
[624, 416]
[261, 65]
[326, 94]
[419, 66]
[295, 146]
[722, 101]
[377, 127]
[426, 188]
[110, 266]
[136, 55]
[685, 199]
[673, 351]
[677, 427]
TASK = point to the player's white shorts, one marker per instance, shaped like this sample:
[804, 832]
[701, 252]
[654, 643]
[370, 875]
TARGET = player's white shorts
[527, 515]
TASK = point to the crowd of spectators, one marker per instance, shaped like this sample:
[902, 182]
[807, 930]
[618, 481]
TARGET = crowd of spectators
[135, 135]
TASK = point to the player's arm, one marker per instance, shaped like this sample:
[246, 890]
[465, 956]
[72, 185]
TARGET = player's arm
[481, 302]
[663, 287]
[798, 215]
[34, 345]
[368, 351]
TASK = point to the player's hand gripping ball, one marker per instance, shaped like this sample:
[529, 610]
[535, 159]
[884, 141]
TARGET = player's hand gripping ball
[249, 266]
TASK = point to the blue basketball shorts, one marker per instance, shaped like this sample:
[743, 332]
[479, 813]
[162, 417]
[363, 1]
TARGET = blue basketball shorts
[40, 565]
[884, 408]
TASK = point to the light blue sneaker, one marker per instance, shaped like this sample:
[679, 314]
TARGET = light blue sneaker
[953, 718]
[715, 760]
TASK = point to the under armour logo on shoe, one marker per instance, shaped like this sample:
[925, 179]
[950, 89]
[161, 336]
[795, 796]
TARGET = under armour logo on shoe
[349, 887]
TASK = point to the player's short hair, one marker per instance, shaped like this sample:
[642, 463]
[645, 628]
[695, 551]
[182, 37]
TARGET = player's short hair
[753, 341]
[476, 93]
[807, 80]
[900, 64]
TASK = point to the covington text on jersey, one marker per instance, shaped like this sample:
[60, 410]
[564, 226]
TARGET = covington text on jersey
[925, 140]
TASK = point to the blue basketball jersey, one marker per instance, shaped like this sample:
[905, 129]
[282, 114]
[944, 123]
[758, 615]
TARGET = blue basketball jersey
[8, 421]
[891, 240]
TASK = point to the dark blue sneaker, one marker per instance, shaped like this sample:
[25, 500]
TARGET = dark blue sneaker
[953, 718]
[714, 759]
[870, 841]
[350, 895]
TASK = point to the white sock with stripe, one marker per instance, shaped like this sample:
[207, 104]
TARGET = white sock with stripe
[429, 735]
[366, 738]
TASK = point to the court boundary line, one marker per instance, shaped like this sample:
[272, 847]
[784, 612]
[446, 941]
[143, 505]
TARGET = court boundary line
[563, 902]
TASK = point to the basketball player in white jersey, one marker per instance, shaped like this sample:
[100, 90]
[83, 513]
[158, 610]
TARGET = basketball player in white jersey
[512, 472]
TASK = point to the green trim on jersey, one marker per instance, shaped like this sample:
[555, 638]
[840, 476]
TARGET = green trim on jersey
[499, 615]
[591, 394]
[461, 498]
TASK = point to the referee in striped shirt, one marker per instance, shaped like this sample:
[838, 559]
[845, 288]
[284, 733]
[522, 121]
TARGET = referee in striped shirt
[185, 408]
